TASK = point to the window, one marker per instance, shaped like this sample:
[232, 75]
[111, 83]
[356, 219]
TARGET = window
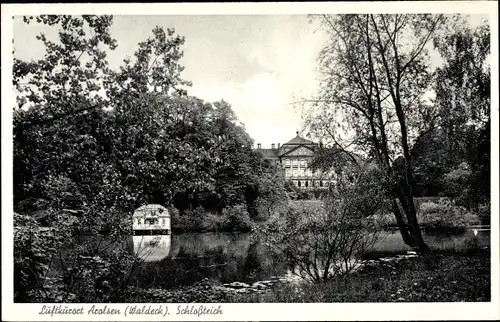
[321, 183]
[303, 163]
[294, 162]
[140, 221]
[307, 184]
[294, 172]
[287, 172]
[287, 162]
[299, 183]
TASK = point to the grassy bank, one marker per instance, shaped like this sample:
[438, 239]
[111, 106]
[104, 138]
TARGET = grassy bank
[440, 278]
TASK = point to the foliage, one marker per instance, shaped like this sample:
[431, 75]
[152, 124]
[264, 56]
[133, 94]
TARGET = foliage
[237, 218]
[463, 82]
[460, 136]
[445, 215]
[436, 214]
[373, 91]
[273, 195]
[234, 218]
[324, 239]
[484, 213]
[92, 144]
[454, 278]
[456, 181]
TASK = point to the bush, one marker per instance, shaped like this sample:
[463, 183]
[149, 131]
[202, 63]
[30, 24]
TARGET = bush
[484, 213]
[324, 239]
[237, 218]
[435, 213]
[384, 219]
[234, 218]
[188, 220]
[50, 266]
[445, 214]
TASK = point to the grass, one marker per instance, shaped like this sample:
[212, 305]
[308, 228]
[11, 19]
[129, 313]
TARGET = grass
[441, 277]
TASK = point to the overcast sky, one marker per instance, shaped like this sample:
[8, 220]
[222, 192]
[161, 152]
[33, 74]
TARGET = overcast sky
[260, 64]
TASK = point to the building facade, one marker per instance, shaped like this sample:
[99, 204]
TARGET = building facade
[294, 158]
[151, 220]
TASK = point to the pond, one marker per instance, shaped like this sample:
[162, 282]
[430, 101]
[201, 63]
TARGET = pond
[183, 259]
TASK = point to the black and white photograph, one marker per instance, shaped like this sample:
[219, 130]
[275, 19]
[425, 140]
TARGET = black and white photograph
[249, 158]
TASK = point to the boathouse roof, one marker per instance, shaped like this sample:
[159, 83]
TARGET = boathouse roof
[151, 210]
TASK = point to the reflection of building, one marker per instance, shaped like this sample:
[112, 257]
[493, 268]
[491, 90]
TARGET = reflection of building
[152, 248]
[151, 219]
[295, 158]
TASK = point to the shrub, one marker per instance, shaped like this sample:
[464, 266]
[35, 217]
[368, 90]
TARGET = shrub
[384, 219]
[484, 213]
[324, 239]
[213, 222]
[51, 266]
[234, 218]
[237, 218]
[188, 220]
[445, 214]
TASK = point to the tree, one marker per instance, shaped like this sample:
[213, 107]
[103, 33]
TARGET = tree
[92, 144]
[326, 239]
[463, 100]
[88, 159]
[272, 195]
[462, 116]
[376, 73]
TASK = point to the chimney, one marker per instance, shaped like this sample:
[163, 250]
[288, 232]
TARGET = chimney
[279, 144]
[272, 146]
[258, 145]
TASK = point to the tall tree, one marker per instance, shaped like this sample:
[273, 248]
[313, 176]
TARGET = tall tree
[463, 100]
[376, 72]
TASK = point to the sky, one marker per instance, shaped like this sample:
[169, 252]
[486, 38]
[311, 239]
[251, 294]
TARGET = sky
[260, 64]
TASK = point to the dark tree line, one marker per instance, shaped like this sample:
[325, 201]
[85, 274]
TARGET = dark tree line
[92, 144]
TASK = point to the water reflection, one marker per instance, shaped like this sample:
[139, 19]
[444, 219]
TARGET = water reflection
[393, 242]
[173, 260]
[152, 248]
[187, 258]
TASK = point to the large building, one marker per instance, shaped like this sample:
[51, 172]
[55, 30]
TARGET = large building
[294, 158]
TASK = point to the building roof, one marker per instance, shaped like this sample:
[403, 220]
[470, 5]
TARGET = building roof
[298, 140]
[268, 153]
[286, 148]
[151, 210]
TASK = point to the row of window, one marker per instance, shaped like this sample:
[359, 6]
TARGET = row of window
[296, 162]
[151, 221]
[306, 184]
[298, 172]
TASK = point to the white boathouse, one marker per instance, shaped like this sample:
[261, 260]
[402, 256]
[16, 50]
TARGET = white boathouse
[151, 219]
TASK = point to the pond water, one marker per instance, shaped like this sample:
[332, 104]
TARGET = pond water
[226, 257]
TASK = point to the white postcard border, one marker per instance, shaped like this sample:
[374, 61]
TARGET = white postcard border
[263, 311]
